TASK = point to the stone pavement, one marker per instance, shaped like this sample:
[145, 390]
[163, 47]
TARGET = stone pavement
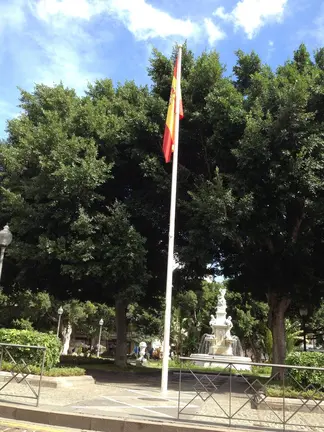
[138, 397]
[121, 400]
[232, 399]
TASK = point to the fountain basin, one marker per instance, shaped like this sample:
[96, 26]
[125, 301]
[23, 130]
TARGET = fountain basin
[208, 361]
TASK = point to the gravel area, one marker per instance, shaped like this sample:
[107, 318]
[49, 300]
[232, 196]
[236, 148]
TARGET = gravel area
[220, 406]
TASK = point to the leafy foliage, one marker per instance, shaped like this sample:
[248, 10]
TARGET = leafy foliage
[307, 377]
[258, 217]
[144, 323]
[25, 309]
[52, 372]
[293, 335]
[31, 338]
[86, 192]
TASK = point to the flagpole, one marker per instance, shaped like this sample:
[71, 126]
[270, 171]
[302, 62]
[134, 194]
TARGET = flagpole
[168, 295]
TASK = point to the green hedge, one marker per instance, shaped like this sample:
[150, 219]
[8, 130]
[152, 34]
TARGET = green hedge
[30, 355]
[53, 372]
[306, 377]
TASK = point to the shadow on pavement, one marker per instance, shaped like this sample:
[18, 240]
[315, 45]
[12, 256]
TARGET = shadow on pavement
[153, 379]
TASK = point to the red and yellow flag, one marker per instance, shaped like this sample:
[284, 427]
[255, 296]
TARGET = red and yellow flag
[169, 132]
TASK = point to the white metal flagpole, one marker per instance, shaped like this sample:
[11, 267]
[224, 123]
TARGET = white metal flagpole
[168, 295]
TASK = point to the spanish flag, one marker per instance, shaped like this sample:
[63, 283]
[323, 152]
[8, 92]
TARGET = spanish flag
[169, 132]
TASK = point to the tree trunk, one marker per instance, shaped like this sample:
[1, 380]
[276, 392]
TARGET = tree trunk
[121, 331]
[66, 333]
[278, 306]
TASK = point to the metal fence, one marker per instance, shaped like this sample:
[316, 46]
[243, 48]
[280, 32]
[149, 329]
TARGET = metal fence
[289, 398]
[16, 362]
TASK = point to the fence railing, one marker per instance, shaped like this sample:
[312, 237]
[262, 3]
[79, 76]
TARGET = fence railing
[14, 376]
[251, 395]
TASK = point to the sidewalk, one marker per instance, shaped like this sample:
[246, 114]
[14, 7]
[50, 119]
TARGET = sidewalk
[138, 397]
[128, 396]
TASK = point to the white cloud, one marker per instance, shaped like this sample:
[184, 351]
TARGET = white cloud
[7, 109]
[146, 22]
[11, 15]
[48, 41]
[65, 51]
[69, 50]
[252, 15]
[317, 30]
[214, 32]
[61, 44]
[220, 12]
[65, 62]
[142, 19]
[83, 9]
[271, 49]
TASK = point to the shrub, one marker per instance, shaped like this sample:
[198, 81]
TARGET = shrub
[79, 350]
[30, 355]
[53, 372]
[261, 370]
[65, 371]
[306, 377]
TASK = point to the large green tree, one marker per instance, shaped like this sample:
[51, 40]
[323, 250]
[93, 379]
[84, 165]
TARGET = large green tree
[85, 188]
[73, 234]
[49, 180]
[260, 218]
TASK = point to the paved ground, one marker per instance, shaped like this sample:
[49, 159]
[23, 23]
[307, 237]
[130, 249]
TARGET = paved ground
[113, 395]
[130, 395]
[134, 401]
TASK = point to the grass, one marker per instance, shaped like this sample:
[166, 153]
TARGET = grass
[60, 371]
[187, 365]
[174, 366]
[290, 392]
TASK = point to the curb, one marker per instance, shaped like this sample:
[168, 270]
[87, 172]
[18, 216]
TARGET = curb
[26, 426]
[97, 423]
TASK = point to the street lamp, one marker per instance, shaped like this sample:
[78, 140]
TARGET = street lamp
[5, 240]
[303, 313]
[60, 312]
[100, 330]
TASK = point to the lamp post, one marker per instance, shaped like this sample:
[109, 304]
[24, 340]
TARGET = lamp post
[303, 313]
[5, 240]
[60, 312]
[99, 341]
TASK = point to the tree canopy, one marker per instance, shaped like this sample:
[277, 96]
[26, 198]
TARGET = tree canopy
[86, 191]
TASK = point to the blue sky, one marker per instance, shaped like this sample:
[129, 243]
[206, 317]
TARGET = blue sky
[77, 41]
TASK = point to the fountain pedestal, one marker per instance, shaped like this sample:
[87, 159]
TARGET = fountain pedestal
[220, 342]
[220, 345]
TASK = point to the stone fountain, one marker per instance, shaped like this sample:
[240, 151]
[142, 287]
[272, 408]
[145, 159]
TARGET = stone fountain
[220, 344]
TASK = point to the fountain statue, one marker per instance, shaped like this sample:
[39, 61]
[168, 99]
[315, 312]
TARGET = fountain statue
[221, 343]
